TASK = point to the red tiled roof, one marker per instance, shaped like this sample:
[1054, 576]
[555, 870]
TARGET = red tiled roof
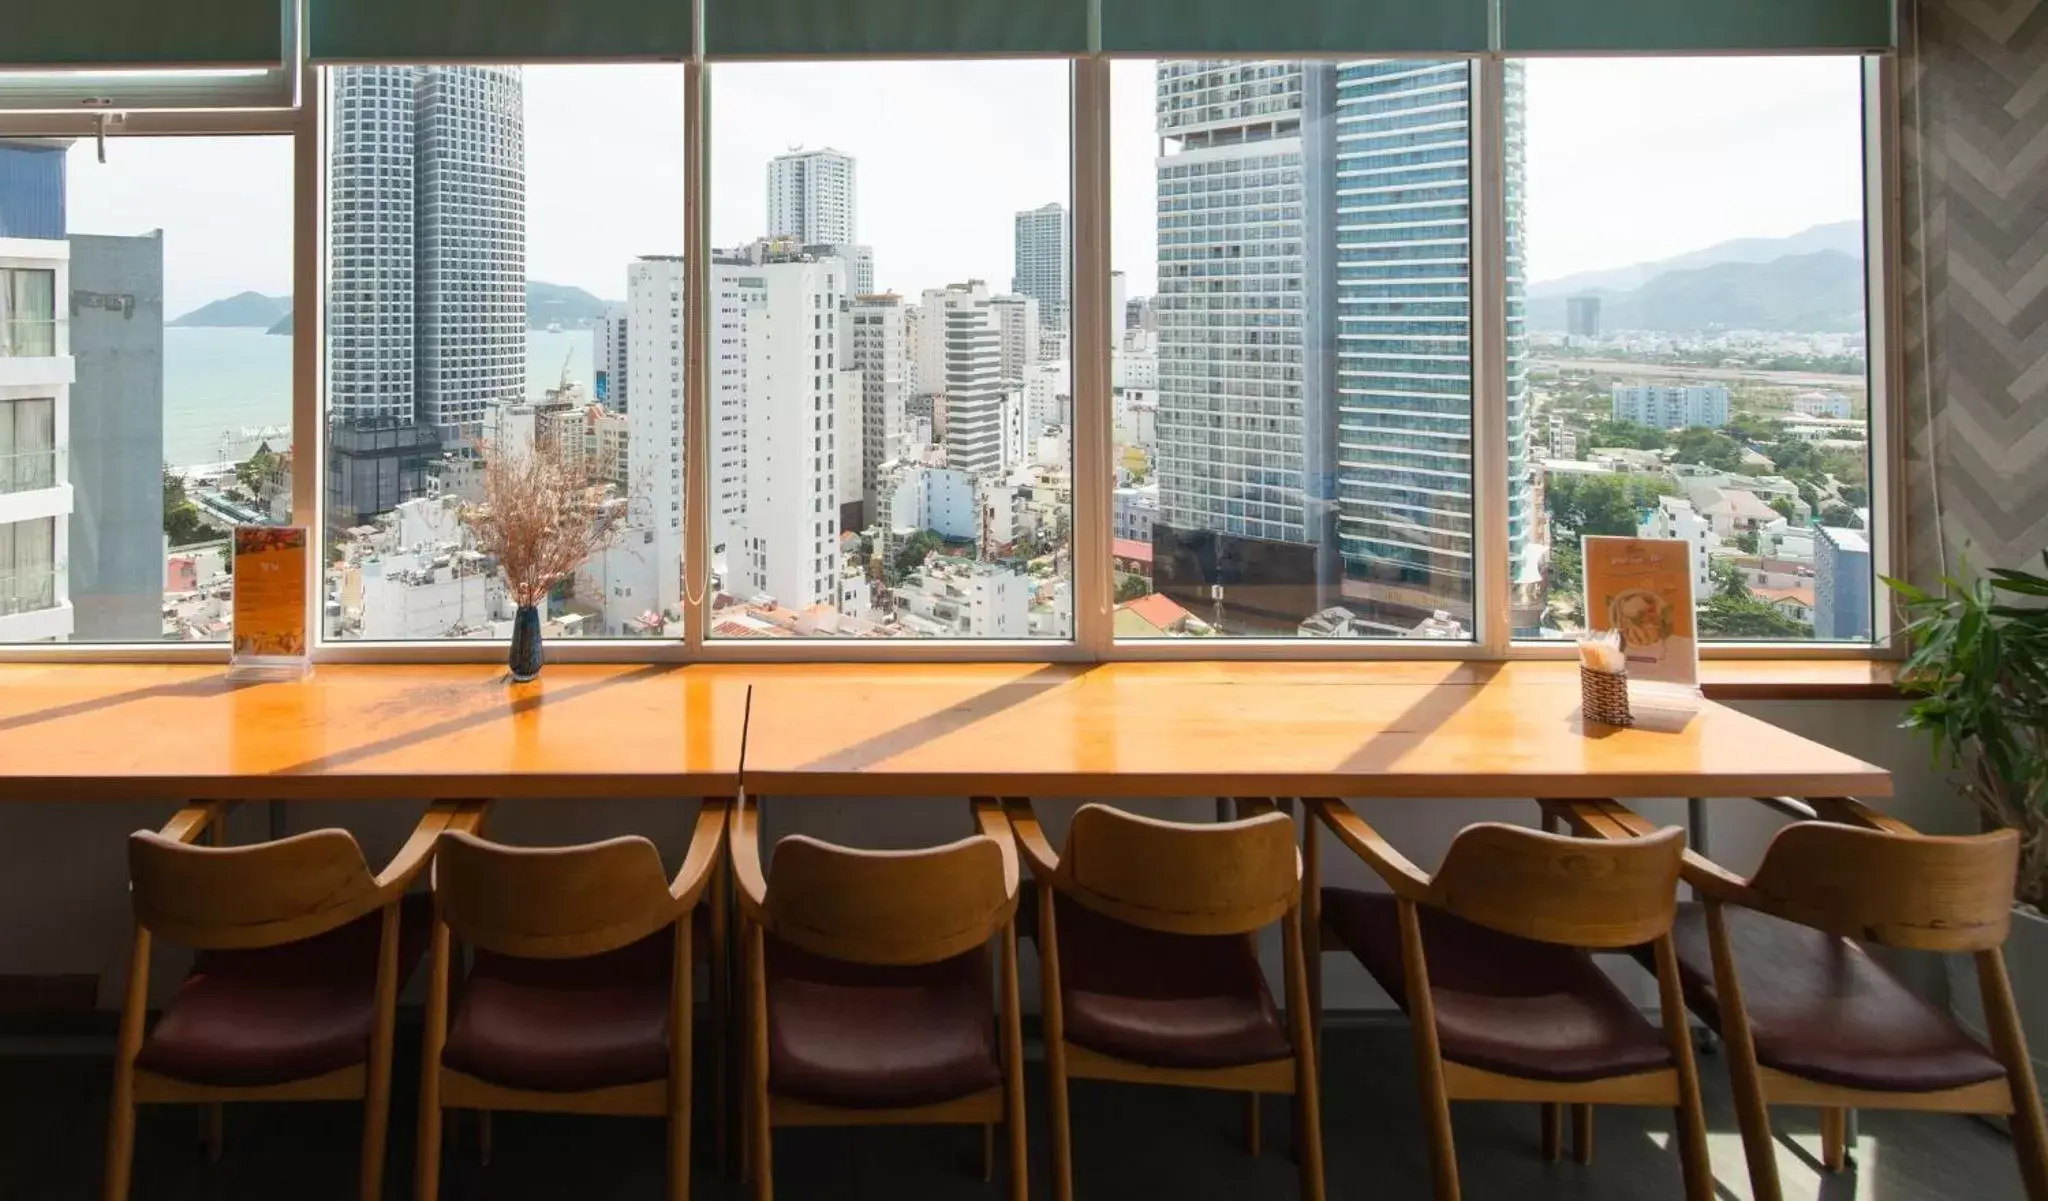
[1158, 609]
[1131, 548]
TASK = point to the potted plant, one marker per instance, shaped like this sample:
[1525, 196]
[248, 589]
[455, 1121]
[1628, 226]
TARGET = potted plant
[541, 519]
[1978, 677]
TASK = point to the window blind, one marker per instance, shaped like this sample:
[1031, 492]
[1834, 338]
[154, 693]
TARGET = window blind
[116, 34]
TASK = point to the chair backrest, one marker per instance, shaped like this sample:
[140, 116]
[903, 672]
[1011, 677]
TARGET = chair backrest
[551, 902]
[260, 895]
[1180, 877]
[1913, 891]
[1581, 892]
[887, 907]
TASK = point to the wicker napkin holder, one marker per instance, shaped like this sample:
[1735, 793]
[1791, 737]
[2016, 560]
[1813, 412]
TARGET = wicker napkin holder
[1605, 696]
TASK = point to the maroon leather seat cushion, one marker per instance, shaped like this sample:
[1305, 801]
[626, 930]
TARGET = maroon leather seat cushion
[1164, 1000]
[859, 1036]
[1504, 1004]
[277, 1014]
[1822, 1008]
[566, 1025]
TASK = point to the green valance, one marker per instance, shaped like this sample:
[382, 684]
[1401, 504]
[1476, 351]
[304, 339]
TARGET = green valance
[1283, 27]
[142, 33]
[1695, 26]
[512, 31]
[824, 28]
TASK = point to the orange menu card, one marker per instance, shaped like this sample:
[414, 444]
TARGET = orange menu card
[270, 602]
[1643, 587]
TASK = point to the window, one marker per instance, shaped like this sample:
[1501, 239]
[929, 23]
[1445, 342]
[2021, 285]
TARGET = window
[890, 350]
[145, 380]
[1691, 360]
[503, 257]
[1292, 377]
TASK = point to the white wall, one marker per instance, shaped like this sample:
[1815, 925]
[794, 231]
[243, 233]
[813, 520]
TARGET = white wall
[63, 868]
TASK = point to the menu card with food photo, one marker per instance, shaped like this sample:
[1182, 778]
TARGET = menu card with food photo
[270, 603]
[1642, 587]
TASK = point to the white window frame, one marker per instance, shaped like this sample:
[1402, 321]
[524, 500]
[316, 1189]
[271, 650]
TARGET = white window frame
[1093, 575]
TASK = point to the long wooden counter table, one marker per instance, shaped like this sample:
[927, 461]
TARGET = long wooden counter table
[119, 732]
[1218, 729]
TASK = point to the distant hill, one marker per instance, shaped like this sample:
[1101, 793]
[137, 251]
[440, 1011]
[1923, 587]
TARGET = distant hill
[244, 309]
[546, 304]
[1844, 237]
[560, 304]
[1814, 293]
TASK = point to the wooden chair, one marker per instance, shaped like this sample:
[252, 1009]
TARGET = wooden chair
[1774, 965]
[579, 997]
[1151, 975]
[867, 976]
[1490, 960]
[301, 954]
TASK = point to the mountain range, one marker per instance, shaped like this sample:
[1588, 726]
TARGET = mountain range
[1810, 282]
[546, 304]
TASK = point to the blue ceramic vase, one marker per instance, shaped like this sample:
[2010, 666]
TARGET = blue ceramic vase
[525, 644]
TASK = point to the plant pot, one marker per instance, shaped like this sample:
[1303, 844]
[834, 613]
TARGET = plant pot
[526, 657]
[2026, 962]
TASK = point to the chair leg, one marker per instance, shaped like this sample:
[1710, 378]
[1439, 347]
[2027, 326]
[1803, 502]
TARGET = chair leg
[1308, 1101]
[681, 1034]
[211, 1134]
[2009, 1042]
[757, 1045]
[377, 1085]
[427, 1156]
[121, 1110]
[1834, 1138]
[1436, 1101]
[1582, 1134]
[1251, 1124]
[1055, 1047]
[1692, 1118]
[1752, 1113]
[484, 1128]
[1312, 915]
[988, 1152]
[1013, 1069]
[717, 957]
[1553, 1129]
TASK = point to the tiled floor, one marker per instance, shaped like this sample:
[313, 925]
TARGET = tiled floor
[1131, 1144]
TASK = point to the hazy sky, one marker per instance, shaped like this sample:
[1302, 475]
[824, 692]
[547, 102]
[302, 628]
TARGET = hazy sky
[1628, 160]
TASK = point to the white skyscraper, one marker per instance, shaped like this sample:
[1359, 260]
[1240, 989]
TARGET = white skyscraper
[876, 339]
[654, 438]
[966, 321]
[1018, 318]
[36, 373]
[427, 300]
[810, 197]
[789, 548]
[609, 339]
[1043, 268]
[924, 334]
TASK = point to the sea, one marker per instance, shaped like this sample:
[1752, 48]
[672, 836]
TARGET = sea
[227, 391]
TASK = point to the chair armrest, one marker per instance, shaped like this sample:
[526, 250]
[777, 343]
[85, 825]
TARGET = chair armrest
[1849, 811]
[187, 824]
[989, 819]
[419, 848]
[744, 830]
[1407, 880]
[707, 841]
[1708, 878]
[1031, 840]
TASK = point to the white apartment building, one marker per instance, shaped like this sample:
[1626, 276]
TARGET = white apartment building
[1821, 404]
[1048, 393]
[426, 314]
[654, 425]
[1044, 268]
[924, 340]
[964, 318]
[1675, 517]
[1017, 317]
[1134, 369]
[811, 196]
[1671, 406]
[959, 598]
[850, 444]
[609, 339]
[36, 500]
[1136, 507]
[916, 496]
[789, 542]
[876, 337]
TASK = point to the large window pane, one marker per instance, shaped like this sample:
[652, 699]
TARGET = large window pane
[1292, 389]
[1696, 335]
[487, 229]
[891, 454]
[145, 381]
